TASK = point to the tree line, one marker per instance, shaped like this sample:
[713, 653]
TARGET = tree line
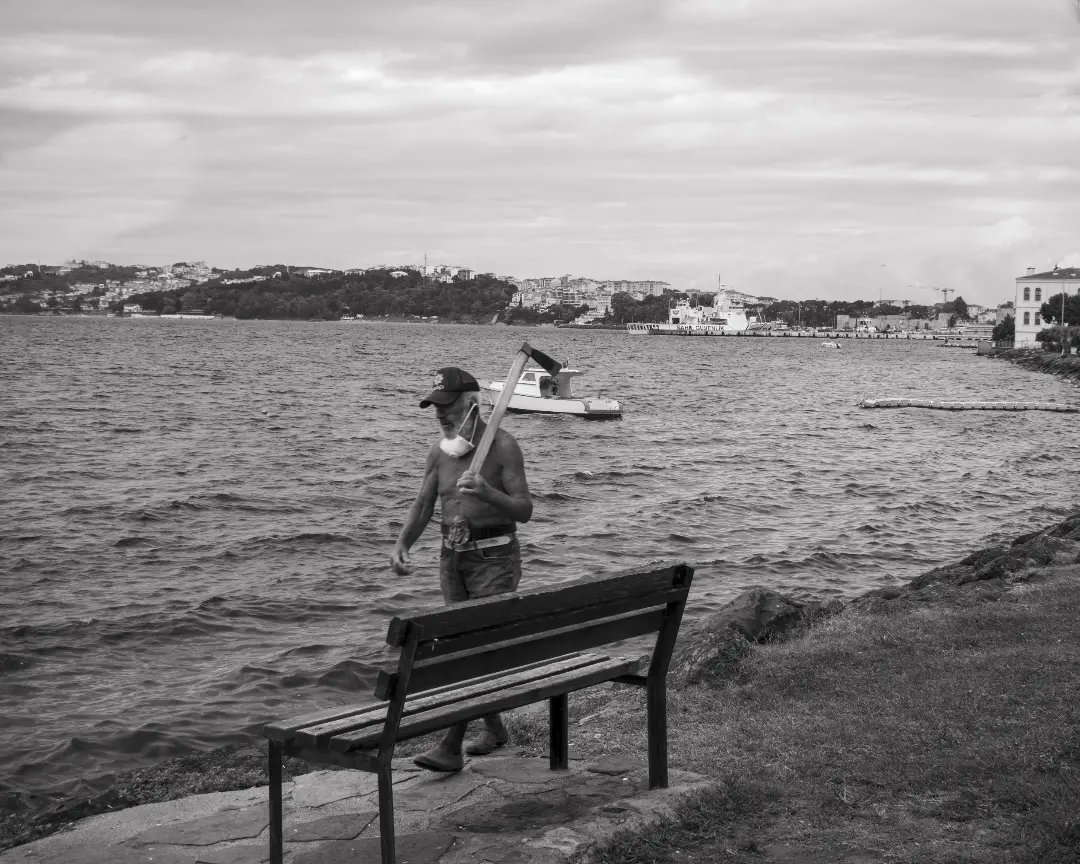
[276, 293]
[374, 294]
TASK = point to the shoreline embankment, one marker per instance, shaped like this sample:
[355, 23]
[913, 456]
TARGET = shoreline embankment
[1038, 360]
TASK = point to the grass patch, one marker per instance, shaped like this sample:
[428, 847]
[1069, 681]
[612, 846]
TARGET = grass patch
[937, 734]
[720, 821]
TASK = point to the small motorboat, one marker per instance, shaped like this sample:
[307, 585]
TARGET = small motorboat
[539, 392]
[828, 344]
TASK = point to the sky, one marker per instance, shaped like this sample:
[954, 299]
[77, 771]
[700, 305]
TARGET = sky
[835, 149]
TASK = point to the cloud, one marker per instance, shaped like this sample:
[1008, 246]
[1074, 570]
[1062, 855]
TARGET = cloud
[90, 184]
[1008, 232]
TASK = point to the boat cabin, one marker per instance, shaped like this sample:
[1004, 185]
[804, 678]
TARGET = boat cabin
[539, 392]
[538, 382]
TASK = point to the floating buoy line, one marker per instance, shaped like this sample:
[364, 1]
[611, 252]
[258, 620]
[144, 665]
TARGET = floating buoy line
[968, 406]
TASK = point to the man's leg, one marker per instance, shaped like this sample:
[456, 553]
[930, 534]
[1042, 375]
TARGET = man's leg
[469, 576]
[494, 571]
[446, 756]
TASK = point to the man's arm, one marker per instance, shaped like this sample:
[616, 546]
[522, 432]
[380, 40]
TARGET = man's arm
[417, 518]
[515, 502]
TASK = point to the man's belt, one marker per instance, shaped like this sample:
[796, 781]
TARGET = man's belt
[486, 543]
[482, 537]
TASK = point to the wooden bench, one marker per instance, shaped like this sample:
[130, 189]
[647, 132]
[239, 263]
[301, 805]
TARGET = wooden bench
[460, 662]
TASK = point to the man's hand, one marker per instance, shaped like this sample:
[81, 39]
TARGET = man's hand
[472, 483]
[399, 561]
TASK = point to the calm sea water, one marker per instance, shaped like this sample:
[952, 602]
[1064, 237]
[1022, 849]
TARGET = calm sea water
[196, 517]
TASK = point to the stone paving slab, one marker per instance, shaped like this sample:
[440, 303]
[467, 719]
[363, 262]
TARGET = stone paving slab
[209, 830]
[345, 826]
[424, 847]
[245, 853]
[502, 809]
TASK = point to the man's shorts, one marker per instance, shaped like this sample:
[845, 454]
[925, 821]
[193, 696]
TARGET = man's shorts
[480, 572]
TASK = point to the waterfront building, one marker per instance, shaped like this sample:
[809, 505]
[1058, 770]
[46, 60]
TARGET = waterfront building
[443, 272]
[1032, 291]
[977, 331]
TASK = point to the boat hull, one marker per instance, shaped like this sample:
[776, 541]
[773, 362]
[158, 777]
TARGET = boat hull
[589, 408]
[725, 318]
[684, 329]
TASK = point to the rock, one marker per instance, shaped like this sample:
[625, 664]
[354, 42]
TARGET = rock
[703, 653]
[1031, 557]
[712, 647]
[760, 614]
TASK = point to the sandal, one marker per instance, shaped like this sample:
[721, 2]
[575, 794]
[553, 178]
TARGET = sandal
[440, 760]
[485, 742]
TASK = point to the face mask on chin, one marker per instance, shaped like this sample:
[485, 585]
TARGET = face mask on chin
[458, 446]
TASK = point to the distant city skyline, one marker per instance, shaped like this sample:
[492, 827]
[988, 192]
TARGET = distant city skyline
[524, 283]
[838, 149]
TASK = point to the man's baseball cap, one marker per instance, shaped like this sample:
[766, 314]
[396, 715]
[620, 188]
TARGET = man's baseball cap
[450, 382]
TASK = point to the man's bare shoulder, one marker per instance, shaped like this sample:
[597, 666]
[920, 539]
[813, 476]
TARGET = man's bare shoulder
[506, 443]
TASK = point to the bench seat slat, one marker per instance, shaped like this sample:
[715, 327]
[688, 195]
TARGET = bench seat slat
[284, 730]
[500, 700]
[361, 760]
[317, 735]
[502, 632]
[440, 621]
[506, 655]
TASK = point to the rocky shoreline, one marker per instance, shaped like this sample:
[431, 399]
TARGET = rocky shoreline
[709, 651]
[710, 648]
[1038, 360]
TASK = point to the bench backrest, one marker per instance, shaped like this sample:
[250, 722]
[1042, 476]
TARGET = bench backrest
[447, 644]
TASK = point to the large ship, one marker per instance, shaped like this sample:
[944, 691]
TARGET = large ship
[725, 317]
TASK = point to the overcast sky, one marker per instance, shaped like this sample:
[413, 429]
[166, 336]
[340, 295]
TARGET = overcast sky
[796, 148]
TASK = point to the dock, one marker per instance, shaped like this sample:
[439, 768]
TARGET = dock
[968, 406]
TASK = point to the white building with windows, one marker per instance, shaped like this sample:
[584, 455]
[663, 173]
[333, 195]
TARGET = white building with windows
[1032, 291]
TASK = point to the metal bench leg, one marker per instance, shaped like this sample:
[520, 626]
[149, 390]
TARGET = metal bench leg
[276, 847]
[656, 691]
[559, 732]
[386, 813]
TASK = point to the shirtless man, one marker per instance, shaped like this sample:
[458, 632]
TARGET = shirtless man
[480, 553]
